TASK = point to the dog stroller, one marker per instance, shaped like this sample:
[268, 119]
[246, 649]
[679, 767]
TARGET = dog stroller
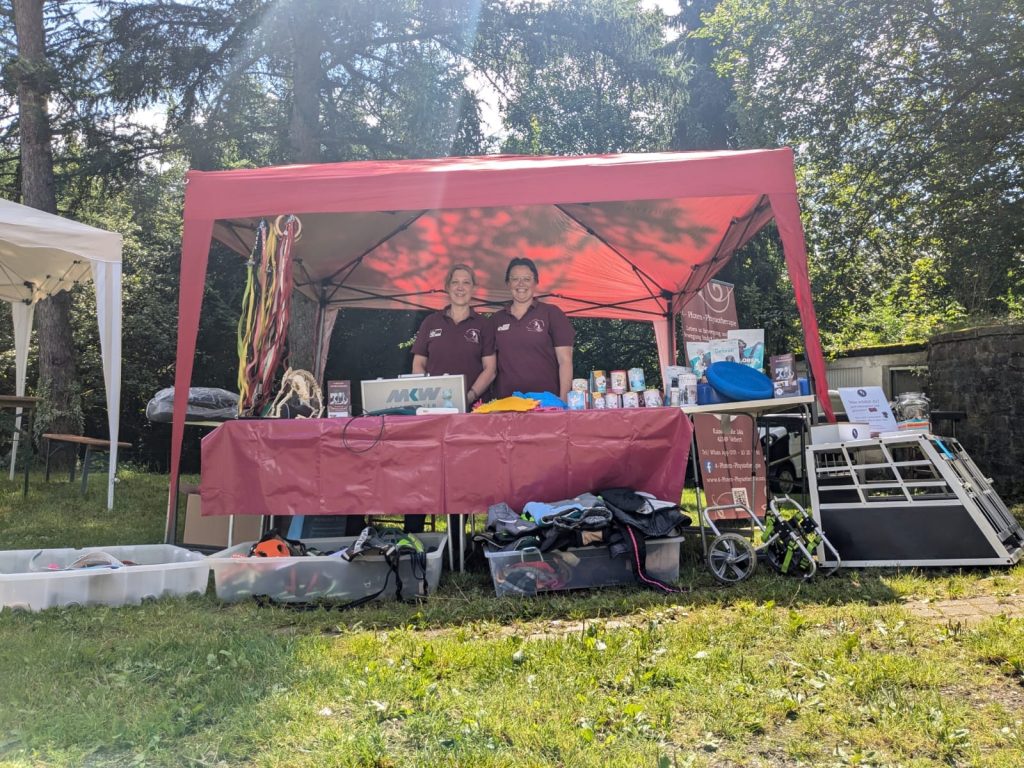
[789, 541]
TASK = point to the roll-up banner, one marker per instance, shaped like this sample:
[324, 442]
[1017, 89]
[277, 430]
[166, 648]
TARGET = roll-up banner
[731, 462]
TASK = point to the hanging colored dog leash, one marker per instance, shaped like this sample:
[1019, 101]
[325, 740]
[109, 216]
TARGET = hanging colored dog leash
[266, 311]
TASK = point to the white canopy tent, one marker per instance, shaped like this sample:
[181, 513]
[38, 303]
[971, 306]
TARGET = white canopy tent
[42, 254]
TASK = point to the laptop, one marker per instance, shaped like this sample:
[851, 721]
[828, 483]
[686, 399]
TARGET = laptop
[410, 392]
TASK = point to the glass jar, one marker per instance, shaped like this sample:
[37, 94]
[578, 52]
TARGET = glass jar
[912, 406]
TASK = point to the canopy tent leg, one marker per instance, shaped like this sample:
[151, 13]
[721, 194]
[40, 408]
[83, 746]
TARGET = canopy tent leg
[195, 250]
[787, 219]
[325, 328]
[23, 315]
[664, 336]
[106, 278]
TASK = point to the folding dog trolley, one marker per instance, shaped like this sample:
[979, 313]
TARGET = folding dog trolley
[793, 543]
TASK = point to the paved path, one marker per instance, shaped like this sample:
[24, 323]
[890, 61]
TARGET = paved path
[968, 610]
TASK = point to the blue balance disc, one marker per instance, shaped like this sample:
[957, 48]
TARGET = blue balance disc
[739, 382]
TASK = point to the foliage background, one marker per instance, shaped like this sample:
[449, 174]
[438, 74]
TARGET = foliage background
[906, 118]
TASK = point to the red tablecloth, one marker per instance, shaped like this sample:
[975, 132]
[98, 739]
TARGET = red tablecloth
[454, 464]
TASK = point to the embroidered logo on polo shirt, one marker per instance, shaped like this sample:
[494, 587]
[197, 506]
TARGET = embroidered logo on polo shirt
[504, 327]
[473, 335]
[536, 325]
[435, 333]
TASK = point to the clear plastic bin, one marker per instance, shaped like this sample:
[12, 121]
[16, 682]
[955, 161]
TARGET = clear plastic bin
[530, 571]
[305, 579]
[34, 579]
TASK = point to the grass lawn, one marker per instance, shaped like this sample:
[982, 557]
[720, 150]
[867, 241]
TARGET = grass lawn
[773, 672]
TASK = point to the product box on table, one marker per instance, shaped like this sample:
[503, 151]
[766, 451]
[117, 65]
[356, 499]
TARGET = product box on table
[529, 571]
[36, 579]
[843, 432]
[317, 577]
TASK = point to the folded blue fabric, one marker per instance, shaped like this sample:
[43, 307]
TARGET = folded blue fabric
[546, 399]
[541, 511]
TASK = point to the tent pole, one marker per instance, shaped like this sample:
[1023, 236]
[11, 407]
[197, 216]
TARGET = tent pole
[794, 248]
[670, 320]
[22, 313]
[317, 337]
[814, 403]
[195, 253]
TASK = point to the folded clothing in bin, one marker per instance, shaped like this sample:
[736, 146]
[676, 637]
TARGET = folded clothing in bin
[529, 572]
[530, 576]
[618, 519]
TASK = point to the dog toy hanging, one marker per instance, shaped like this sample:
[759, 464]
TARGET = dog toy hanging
[266, 311]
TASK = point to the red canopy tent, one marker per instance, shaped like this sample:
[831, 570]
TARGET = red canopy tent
[630, 236]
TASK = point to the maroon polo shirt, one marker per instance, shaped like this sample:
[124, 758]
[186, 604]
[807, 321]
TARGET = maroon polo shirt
[455, 348]
[526, 348]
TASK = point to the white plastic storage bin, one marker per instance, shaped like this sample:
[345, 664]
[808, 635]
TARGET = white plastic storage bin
[34, 579]
[529, 571]
[305, 579]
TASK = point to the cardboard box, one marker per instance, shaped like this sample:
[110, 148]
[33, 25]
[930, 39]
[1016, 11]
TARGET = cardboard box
[843, 432]
[211, 533]
[784, 378]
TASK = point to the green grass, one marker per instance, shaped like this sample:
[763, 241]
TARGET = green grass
[55, 514]
[773, 672]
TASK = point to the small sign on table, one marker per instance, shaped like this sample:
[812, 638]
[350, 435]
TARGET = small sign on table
[339, 399]
[868, 405]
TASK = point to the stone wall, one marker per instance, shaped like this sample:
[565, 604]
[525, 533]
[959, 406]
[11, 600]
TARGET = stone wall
[981, 371]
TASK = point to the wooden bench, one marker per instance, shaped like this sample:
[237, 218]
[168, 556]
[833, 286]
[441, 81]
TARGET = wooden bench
[56, 442]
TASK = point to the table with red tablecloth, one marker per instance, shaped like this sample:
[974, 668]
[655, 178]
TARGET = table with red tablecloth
[454, 464]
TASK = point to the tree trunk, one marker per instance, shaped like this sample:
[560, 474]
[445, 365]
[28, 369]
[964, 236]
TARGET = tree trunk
[304, 147]
[307, 75]
[61, 410]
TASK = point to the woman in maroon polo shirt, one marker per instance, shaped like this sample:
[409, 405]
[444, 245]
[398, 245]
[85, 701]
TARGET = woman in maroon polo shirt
[453, 341]
[533, 339]
[456, 339]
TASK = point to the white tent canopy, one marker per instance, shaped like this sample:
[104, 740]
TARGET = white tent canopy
[42, 254]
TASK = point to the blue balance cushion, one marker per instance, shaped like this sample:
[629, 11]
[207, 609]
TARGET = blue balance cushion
[739, 382]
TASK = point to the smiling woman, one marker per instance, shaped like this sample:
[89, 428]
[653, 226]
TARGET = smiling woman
[533, 339]
[457, 340]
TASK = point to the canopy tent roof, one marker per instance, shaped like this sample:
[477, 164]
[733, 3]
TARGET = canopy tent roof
[42, 254]
[617, 236]
[621, 236]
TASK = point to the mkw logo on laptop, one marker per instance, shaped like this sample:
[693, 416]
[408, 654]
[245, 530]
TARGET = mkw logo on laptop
[416, 395]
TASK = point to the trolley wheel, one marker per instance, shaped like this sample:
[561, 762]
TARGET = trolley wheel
[784, 480]
[731, 558]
